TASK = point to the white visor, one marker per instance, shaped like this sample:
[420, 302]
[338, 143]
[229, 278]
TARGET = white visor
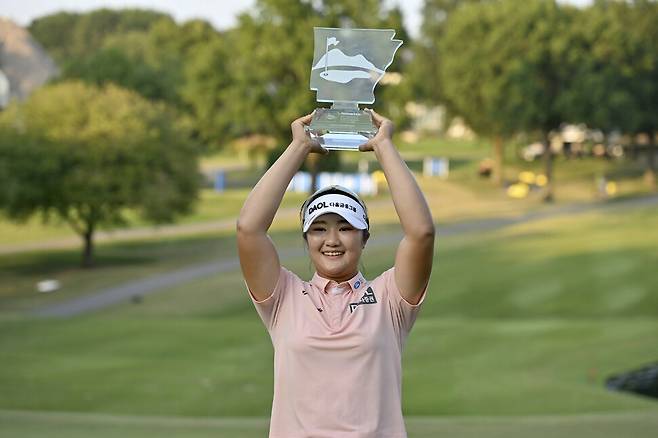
[342, 205]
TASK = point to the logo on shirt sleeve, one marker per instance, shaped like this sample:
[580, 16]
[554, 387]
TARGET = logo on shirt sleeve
[367, 298]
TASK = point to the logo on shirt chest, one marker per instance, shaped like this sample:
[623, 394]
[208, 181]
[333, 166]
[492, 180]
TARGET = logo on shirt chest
[367, 298]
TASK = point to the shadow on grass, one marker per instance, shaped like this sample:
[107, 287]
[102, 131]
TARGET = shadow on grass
[52, 263]
[120, 254]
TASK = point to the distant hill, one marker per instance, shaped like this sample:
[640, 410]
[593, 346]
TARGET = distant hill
[23, 61]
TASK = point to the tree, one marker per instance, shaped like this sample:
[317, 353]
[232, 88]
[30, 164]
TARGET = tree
[425, 69]
[615, 71]
[205, 79]
[267, 85]
[597, 94]
[440, 73]
[85, 155]
[68, 36]
[265, 64]
[392, 98]
[112, 65]
[145, 51]
[469, 74]
[55, 33]
[510, 55]
[644, 33]
[134, 48]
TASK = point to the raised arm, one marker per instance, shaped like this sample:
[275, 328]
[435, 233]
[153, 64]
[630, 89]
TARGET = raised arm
[413, 259]
[258, 257]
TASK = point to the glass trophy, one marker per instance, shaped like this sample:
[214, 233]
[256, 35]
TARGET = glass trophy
[347, 64]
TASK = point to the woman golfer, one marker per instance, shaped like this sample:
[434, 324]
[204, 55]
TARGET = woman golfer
[338, 338]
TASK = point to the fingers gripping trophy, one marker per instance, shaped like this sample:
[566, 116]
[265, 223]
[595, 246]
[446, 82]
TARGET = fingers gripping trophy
[347, 65]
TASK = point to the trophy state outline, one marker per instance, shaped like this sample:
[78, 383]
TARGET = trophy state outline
[347, 65]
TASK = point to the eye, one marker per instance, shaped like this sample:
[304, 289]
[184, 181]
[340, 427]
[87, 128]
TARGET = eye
[346, 229]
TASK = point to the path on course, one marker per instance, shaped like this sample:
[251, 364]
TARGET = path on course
[100, 299]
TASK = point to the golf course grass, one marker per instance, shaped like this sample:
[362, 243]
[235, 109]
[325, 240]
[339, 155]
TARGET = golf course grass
[520, 329]
[70, 425]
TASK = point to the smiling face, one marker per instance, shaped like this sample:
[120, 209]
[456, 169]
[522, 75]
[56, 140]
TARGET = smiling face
[335, 247]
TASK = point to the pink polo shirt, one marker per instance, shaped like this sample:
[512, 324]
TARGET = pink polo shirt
[337, 356]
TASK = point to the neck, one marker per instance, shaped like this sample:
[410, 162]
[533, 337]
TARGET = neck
[339, 279]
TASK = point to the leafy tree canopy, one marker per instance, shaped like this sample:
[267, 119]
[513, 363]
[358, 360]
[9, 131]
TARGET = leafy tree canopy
[265, 63]
[424, 70]
[85, 155]
[614, 54]
[504, 67]
[68, 36]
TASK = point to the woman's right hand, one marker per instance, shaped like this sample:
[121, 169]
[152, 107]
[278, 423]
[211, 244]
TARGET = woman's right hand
[302, 137]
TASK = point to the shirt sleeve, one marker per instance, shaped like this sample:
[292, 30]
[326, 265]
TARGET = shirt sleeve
[269, 308]
[403, 313]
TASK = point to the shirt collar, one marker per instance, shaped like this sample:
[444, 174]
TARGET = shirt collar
[356, 283]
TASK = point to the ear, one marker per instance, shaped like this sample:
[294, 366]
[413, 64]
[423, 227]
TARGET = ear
[364, 237]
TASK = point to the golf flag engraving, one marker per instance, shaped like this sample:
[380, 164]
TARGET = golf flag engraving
[347, 65]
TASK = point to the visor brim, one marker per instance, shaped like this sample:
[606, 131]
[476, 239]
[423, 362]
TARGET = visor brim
[354, 220]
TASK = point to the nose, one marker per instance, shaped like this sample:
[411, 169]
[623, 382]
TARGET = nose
[332, 237]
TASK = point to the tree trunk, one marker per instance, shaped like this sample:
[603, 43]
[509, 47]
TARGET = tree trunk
[633, 149]
[312, 164]
[548, 168]
[650, 172]
[498, 160]
[88, 252]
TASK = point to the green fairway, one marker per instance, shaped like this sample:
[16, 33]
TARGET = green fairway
[219, 367]
[519, 331]
[67, 425]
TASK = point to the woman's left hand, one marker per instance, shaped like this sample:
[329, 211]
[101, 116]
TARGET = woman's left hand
[384, 134]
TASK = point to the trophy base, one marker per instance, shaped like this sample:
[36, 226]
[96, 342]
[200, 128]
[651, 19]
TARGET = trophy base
[340, 142]
[341, 128]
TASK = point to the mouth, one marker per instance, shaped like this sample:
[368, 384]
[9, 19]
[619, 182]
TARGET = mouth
[333, 254]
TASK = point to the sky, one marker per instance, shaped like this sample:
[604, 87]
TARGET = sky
[221, 13]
